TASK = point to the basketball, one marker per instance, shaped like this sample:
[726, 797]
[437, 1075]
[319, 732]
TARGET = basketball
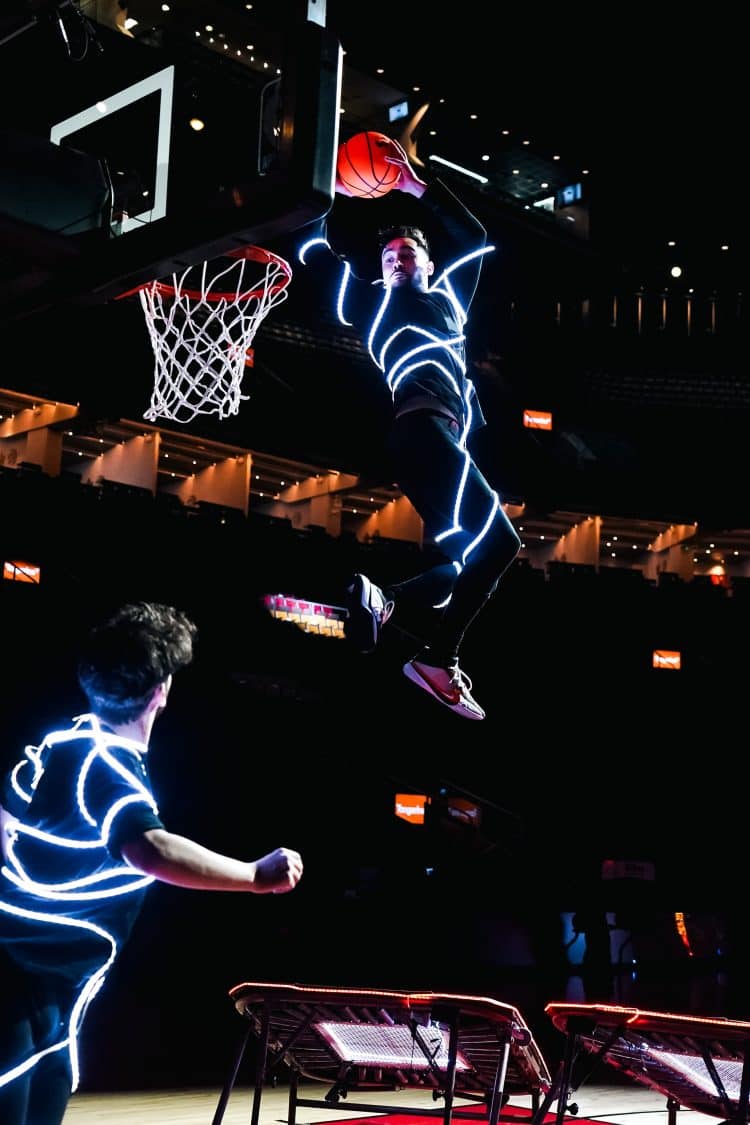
[362, 166]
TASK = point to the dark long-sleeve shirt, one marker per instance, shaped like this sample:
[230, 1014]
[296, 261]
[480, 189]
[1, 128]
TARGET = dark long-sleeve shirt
[416, 338]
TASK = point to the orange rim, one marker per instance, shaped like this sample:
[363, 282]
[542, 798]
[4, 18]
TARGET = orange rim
[251, 253]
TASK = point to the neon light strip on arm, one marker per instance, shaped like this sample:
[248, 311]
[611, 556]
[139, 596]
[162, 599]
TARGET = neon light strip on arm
[319, 241]
[461, 262]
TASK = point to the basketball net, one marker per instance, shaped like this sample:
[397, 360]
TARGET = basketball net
[202, 324]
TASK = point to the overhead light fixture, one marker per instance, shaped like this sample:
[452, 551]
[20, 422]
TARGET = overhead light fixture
[459, 168]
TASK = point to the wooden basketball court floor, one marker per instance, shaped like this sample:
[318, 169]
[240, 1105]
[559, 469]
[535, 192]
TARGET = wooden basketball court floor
[618, 1101]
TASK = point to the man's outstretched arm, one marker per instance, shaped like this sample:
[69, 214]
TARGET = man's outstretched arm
[184, 863]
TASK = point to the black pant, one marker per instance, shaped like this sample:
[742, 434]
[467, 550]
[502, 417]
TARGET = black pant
[461, 514]
[34, 1011]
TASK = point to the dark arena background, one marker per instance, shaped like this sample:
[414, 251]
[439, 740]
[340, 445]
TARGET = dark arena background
[584, 843]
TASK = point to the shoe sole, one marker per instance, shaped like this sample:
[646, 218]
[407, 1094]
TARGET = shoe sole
[360, 626]
[412, 674]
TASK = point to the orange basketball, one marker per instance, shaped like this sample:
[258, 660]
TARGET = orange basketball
[362, 166]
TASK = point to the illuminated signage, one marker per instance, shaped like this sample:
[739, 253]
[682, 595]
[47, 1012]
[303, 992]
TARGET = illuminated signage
[537, 419]
[311, 617]
[410, 807]
[22, 572]
[568, 195]
[662, 658]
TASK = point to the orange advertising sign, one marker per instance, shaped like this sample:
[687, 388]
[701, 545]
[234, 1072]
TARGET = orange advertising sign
[410, 807]
[22, 572]
[663, 658]
[537, 419]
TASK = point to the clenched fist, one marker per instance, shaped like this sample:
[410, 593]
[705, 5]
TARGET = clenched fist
[277, 872]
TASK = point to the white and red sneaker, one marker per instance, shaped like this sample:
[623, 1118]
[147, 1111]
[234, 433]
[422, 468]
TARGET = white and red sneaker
[448, 685]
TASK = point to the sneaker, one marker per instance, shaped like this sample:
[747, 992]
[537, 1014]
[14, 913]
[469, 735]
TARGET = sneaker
[449, 685]
[368, 610]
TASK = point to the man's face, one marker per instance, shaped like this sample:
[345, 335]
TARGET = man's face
[406, 263]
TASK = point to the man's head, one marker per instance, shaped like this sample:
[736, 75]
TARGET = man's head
[129, 655]
[405, 257]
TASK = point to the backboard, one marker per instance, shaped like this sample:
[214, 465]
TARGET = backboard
[149, 150]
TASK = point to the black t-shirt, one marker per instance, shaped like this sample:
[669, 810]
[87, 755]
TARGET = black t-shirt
[68, 900]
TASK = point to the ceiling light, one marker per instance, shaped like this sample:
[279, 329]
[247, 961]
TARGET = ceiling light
[459, 168]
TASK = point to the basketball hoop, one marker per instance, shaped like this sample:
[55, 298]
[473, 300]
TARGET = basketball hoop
[202, 324]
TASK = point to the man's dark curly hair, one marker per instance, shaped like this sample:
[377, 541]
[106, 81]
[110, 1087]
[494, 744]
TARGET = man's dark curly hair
[125, 657]
[387, 234]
